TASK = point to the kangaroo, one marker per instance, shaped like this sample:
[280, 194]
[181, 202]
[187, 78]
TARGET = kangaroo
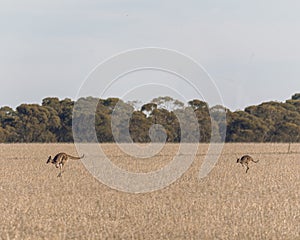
[245, 160]
[60, 160]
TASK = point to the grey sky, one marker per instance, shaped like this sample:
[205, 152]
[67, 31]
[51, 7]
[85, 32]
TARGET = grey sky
[250, 48]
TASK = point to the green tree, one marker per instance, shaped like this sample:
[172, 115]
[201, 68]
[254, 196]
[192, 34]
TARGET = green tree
[139, 127]
[244, 127]
[204, 120]
[167, 103]
[63, 109]
[8, 122]
[296, 96]
[35, 123]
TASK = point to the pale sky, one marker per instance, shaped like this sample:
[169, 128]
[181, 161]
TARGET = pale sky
[251, 49]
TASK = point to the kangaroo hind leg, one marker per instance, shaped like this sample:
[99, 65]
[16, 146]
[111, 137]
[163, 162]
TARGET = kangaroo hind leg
[60, 170]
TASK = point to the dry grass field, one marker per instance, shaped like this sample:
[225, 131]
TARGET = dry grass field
[227, 204]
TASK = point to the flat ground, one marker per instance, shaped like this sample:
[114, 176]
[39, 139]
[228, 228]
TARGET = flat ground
[227, 204]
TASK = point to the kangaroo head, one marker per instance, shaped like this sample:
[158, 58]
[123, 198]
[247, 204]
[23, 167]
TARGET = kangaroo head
[49, 160]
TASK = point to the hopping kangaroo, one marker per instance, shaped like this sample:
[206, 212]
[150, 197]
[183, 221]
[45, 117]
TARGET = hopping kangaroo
[60, 160]
[245, 160]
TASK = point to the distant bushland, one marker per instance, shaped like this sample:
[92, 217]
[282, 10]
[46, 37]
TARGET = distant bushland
[52, 120]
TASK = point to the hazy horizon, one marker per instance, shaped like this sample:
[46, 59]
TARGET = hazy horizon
[138, 102]
[250, 50]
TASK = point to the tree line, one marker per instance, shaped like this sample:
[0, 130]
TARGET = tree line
[52, 121]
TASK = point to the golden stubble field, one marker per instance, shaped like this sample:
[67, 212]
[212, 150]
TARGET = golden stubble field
[227, 204]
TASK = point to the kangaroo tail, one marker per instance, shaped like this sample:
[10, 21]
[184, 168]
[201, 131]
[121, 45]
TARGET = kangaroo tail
[75, 158]
[255, 161]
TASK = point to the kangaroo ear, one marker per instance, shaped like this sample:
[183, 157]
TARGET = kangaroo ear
[49, 159]
[237, 160]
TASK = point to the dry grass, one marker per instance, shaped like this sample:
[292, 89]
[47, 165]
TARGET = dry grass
[228, 204]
